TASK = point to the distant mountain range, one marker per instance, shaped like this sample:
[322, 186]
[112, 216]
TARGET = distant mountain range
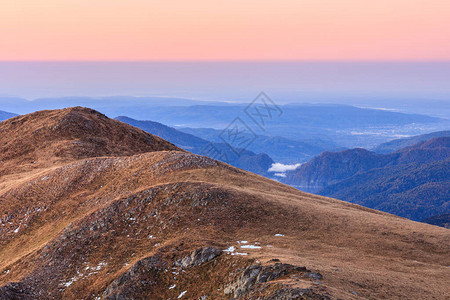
[412, 182]
[6, 115]
[439, 220]
[414, 191]
[329, 126]
[343, 125]
[295, 115]
[283, 150]
[241, 158]
[397, 144]
[114, 105]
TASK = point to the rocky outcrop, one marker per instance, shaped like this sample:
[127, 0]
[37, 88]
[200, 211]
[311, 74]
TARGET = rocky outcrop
[147, 273]
[314, 275]
[15, 290]
[198, 257]
[295, 293]
[254, 275]
[140, 277]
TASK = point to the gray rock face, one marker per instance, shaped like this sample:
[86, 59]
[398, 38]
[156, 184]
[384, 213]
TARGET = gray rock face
[248, 278]
[314, 275]
[140, 277]
[257, 274]
[296, 293]
[198, 257]
[145, 274]
[14, 290]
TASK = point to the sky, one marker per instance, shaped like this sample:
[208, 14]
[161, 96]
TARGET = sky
[156, 30]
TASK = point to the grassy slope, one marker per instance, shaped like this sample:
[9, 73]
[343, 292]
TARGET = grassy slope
[72, 215]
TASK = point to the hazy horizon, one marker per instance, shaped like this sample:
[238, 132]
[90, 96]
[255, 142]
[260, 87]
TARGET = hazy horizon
[293, 81]
[388, 53]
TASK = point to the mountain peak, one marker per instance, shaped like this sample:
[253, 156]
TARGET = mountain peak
[48, 136]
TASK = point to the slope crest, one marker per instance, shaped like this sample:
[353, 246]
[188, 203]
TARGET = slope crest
[47, 136]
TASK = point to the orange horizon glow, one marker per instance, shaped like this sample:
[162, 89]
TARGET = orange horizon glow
[197, 30]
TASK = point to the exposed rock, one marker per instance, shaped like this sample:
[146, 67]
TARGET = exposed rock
[198, 257]
[314, 275]
[15, 290]
[244, 282]
[134, 282]
[257, 274]
[295, 293]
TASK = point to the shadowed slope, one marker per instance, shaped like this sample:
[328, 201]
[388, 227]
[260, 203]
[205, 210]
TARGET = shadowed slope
[439, 220]
[4, 115]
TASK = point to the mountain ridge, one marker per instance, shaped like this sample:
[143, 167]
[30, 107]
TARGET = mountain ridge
[4, 115]
[401, 182]
[240, 158]
[70, 133]
[166, 223]
[397, 144]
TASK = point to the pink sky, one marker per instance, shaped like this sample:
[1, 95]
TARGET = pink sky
[224, 30]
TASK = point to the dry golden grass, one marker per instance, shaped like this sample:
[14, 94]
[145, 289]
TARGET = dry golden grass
[74, 208]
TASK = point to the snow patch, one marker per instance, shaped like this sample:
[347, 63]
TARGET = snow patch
[72, 280]
[250, 247]
[229, 249]
[238, 253]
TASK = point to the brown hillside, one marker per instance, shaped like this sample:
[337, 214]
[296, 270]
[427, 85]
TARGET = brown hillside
[46, 137]
[154, 226]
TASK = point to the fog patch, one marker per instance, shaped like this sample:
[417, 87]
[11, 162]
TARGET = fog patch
[281, 168]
